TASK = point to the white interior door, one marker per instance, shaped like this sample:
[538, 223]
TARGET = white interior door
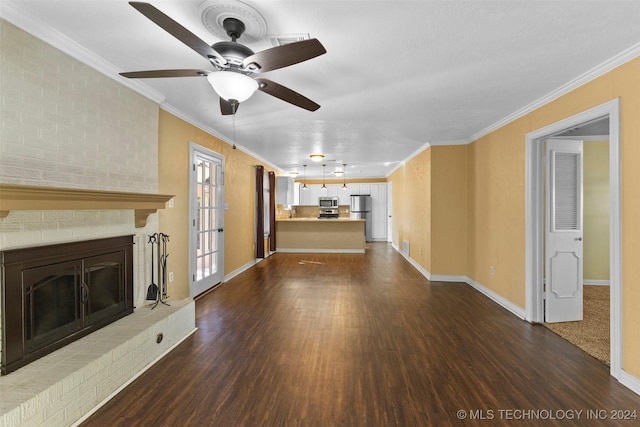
[207, 220]
[389, 211]
[563, 243]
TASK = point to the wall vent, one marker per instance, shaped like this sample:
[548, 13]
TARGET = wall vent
[282, 39]
[405, 248]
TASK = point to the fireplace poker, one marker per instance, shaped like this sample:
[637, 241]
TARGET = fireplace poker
[152, 290]
[163, 238]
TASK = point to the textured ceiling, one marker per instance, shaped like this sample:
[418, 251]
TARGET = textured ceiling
[396, 76]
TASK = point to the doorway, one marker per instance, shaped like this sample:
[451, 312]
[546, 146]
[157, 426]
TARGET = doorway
[206, 213]
[390, 212]
[535, 214]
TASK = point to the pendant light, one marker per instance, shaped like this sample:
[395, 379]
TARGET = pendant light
[304, 177]
[323, 184]
[344, 177]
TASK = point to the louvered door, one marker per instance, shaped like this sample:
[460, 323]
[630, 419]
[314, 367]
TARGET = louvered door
[564, 245]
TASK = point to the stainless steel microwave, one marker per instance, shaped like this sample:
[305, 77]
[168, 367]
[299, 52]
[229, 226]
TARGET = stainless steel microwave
[328, 202]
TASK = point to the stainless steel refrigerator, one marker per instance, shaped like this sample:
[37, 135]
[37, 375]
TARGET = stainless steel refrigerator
[361, 209]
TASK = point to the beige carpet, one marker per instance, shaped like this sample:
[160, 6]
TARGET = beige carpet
[592, 333]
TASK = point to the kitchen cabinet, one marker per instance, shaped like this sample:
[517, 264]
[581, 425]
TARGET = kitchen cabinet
[342, 235]
[309, 196]
[379, 214]
[344, 196]
[377, 190]
[285, 190]
[332, 190]
[296, 193]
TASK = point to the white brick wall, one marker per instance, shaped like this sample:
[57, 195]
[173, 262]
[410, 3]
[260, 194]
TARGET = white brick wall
[64, 124]
[62, 387]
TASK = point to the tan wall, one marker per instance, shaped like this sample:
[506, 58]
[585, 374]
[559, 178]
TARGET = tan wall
[496, 197]
[496, 212]
[449, 210]
[412, 207]
[596, 210]
[174, 137]
[496, 200]
[430, 209]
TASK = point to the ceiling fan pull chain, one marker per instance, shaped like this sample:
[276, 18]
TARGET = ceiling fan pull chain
[233, 106]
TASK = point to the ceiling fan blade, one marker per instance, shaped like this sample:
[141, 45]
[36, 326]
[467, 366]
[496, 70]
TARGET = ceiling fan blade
[286, 94]
[285, 55]
[177, 31]
[165, 73]
[228, 108]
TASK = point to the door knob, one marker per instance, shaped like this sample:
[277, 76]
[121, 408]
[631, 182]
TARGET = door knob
[579, 239]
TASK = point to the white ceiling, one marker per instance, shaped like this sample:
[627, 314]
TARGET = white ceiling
[396, 76]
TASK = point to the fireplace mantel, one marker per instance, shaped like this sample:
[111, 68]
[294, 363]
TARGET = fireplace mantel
[24, 197]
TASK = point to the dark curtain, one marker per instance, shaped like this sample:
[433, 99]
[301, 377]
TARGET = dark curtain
[259, 211]
[272, 210]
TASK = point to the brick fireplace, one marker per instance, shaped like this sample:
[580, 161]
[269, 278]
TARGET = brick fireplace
[56, 294]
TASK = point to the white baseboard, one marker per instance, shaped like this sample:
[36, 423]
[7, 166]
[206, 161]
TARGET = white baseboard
[596, 282]
[518, 311]
[323, 251]
[241, 269]
[508, 305]
[629, 381]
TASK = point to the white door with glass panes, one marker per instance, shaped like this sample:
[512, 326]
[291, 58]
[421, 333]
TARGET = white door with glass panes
[206, 246]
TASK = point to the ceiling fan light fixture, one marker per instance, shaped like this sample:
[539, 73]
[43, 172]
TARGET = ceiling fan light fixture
[232, 85]
[316, 157]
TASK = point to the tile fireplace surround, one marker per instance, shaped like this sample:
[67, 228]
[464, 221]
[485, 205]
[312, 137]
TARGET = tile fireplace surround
[66, 386]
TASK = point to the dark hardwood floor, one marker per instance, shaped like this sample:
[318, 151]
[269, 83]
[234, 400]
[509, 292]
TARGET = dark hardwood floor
[365, 340]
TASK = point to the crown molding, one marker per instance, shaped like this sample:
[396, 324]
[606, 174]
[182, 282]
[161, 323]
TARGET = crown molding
[450, 142]
[614, 62]
[211, 131]
[424, 147]
[12, 13]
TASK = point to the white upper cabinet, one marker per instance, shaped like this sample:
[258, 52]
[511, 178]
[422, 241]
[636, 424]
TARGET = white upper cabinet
[309, 196]
[285, 190]
[377, 190]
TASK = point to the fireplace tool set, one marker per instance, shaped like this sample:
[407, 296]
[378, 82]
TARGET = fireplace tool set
[158, 242]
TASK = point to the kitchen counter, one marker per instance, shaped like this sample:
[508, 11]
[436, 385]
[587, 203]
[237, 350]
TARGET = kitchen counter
[321, 220]
[342, 235]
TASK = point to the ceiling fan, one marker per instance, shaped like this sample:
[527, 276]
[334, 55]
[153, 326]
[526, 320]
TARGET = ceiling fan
[234, 63]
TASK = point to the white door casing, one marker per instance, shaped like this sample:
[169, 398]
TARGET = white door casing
[534, 223]
[564, 231]
[206, 213]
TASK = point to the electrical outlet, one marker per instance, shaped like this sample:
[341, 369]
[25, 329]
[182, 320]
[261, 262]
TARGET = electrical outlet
[492, 270]
[171, 202]
[170, 276]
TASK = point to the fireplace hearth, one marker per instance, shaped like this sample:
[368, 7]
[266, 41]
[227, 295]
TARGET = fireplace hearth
[53, 295]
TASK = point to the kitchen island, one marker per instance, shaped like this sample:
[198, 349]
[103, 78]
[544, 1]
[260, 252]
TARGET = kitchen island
[341, 235]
